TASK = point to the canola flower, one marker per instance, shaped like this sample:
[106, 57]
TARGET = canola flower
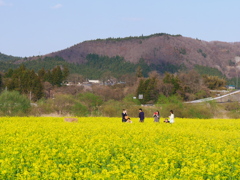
[106, 148]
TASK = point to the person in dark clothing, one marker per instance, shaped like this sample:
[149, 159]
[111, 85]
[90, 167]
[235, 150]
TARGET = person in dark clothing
[141, 115]
[124, 115]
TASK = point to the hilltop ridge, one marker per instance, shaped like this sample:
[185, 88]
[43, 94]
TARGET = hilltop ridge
[160, 48]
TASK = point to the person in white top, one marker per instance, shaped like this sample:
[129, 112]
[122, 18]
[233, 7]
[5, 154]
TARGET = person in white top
[171, 118]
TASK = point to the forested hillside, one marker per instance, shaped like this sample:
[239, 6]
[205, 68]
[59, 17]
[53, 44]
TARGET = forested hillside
[4, 57]
[159, 50]
[100, 67]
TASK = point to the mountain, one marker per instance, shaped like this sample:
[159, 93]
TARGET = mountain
[5, 58]
[158, 49]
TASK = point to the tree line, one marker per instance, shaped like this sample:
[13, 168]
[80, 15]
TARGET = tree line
[102, 67]
[95, 67]
[30, 83]
[186, 85]
[167, 90]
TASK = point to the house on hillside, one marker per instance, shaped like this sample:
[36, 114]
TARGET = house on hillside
[94, 81]
[231, 87]
[72, 83]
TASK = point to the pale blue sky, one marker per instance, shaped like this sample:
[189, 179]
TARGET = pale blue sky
[38, 27]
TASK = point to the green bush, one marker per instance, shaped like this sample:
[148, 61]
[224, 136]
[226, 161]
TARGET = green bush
[112, 108]
[43, 106]
[90, 100]
[171, 99]
[62, 103]
[183, 110]
[201, 94]
[12, 103]
[199, 111]
[232, 106]
[234, 114]
[129, 98]
[233, 109]
[79, 109]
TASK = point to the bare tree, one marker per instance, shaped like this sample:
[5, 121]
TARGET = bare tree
[107, 92]
[48, 87]
[75, 78]
[73, 90]
[190, 82]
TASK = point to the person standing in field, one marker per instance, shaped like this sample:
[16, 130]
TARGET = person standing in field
[124, 115]
[156, 116]
[141, 115]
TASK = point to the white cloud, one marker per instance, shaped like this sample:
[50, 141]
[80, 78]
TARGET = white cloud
[57, 6]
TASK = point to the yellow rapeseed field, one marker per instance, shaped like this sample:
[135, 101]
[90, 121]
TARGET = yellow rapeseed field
[105, 148]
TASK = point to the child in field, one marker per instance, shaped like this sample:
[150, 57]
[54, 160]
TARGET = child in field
[129, 120]
[166, 121]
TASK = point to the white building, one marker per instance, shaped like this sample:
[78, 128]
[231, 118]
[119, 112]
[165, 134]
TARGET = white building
[94, 81]
[231, 87]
